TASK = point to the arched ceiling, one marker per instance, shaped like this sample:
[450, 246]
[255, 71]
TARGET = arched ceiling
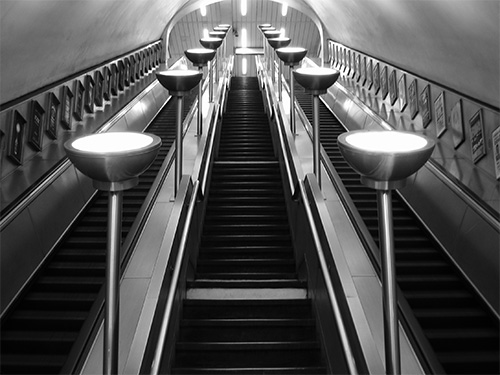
[453, 42]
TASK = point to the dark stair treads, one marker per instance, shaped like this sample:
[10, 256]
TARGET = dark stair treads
[434, 288]
[246, 244]
[39, 331]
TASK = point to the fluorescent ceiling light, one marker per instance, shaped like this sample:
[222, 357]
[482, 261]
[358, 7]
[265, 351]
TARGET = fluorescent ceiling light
[284, 9]
[203, 10]
[244, 66]
[244, 41]
[243, 7]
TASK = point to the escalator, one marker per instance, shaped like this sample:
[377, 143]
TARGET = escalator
[246, 311]
[40, 330]
[462, 331]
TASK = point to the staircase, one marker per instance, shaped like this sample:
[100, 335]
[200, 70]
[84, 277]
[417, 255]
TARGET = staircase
[246, 311]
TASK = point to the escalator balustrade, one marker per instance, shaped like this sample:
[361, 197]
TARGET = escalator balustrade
[460, 329]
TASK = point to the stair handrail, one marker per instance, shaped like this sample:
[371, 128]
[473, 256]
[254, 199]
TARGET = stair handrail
[344, 338]
[160, 344]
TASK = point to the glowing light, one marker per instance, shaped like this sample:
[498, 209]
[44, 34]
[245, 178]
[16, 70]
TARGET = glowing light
[386, 141]
[112, 142]
[243, 7]
[244, 41]
[284, 9]
[205, 33]
[282, 31]
[244, 66]
[203, 10]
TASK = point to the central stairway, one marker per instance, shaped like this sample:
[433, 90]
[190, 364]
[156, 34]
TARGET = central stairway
[246, 311]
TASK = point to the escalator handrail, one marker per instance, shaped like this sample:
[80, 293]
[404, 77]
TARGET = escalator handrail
[344, 337]
[159, 348]
[300, 188]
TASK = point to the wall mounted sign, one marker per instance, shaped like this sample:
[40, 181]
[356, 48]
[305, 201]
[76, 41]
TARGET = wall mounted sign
[89, 94]
[363, 70]
[67, 103]
[132, 68]
[127, 72]
[478, 147]
[36, 121]
[413, 98]
[383, 82]
[369, 74]
[440, 115]
[78, 89]
[106, 83]
[456, 123]
[402, 93]
[121, 75]
[495, 135]
[393, 88]
[52, 111]
[376, 78]
[113, 85]
[99, 88]
[16, 138]
[425, 106]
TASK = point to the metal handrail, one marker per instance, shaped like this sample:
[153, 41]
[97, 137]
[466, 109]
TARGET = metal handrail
[349, 356]
[155, 366]
[351, 363]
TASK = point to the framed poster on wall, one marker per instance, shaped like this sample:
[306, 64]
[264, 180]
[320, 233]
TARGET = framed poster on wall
[393, 88]
[369, 74]
[52, 111]
[456, 124]
[132, 69]
[89, 94]
[137, 65]
[496, 151]
[127, 72]
[478, 147]
[99, 88]
[413, 99]
[383, 82]
[425, 106]
[79, 90]
[35, 125]
[15, 146]
[363, 70]
[402, 93]
[440, 114]
[67, 104]
[113, 84]
[121, 75]
[357, 68]
[106, 83]
[376, 78]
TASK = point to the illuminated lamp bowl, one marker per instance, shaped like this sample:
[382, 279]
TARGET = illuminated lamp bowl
[211, 43]
[385, 156]
[217, 34]
[291, 55]
[279, 42]
[113, 156]
[272, 34]
[179, 80]
[200, 56]
[316, 80]
[264, 25]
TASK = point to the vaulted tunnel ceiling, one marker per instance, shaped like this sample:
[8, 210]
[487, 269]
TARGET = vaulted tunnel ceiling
[454, 42]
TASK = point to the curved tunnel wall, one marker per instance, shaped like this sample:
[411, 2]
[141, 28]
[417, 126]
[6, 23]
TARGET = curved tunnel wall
[455, 43]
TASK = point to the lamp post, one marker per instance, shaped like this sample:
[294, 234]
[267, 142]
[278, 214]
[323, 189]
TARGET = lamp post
[263, 29]
[291, 56]
[221, 35]
[279, 42]
[113, 161]
[385, 160]
[271, 34]
[316, 81]
[200, 58]
[179, 83]
[211, 43]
